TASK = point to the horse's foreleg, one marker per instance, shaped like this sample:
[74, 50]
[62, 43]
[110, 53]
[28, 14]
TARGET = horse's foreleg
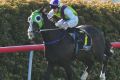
[48, 72]
[85, 74]
[69, 72]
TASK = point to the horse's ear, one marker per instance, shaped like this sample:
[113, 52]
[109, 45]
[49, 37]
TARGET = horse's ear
[43, 10]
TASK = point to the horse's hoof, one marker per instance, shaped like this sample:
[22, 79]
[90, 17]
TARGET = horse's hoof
[84, 76]
[102, 76]
[112, 51]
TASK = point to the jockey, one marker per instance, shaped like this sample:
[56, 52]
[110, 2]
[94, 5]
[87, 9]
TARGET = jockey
[68, 15]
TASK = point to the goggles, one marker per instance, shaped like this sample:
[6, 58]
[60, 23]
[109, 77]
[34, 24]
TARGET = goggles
[53, 6]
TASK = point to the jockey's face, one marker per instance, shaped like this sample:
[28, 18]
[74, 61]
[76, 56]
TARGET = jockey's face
[55, 10]
[54, 7]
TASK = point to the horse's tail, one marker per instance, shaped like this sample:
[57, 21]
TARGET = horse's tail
[108, 48]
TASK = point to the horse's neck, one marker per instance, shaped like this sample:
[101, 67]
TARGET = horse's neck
[50, 35]
[47, 23]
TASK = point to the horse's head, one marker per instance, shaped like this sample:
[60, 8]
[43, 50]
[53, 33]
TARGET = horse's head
[39, 19]
[36, 18]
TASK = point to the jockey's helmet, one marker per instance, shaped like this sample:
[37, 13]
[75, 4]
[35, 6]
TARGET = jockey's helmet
[54, 4]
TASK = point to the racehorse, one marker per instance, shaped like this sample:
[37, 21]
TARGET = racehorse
[60, 46]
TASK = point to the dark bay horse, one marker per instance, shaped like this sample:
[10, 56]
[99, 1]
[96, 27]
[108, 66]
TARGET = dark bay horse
[60, 47]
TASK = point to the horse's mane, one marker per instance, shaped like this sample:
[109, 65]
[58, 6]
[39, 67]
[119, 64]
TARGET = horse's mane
[50, 33]
[47, 22]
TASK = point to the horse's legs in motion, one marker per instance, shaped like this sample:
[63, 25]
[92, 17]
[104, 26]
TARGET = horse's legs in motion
[48, 72]
[104, 67]
[85, 74]
[69, 71]
[89, 63]
[107, 54]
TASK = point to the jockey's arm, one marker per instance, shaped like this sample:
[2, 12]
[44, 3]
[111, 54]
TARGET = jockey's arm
[50, 14]
[73, 19]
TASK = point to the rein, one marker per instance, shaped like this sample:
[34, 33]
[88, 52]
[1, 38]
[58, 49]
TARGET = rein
[50, 29]
[57, 39]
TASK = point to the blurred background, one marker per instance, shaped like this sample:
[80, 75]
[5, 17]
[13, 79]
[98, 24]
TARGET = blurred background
[104, 14]
[61, 0]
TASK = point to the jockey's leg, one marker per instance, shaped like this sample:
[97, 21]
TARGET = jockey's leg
[87, 42]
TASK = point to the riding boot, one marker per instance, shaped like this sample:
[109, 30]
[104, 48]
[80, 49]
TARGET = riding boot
[77, 43]
[74, 32]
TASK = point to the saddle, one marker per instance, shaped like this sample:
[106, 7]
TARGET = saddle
[81, 38]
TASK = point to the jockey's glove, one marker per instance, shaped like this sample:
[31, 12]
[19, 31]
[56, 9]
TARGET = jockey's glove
[57, 24]
[31, 35]
[65, 25]
[51, 19]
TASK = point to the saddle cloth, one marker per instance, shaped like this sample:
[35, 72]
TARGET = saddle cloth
[81, 38]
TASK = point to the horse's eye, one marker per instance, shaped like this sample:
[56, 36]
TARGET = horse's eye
[38, 18]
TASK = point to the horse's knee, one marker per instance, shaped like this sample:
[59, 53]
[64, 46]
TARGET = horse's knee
[100, 57]
[69, 72]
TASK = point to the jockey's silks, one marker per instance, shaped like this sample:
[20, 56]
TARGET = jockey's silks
[61, 14]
